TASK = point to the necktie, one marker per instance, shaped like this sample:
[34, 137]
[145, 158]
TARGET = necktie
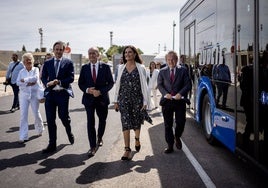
[94, 74]
[172, 76]
[57, 65]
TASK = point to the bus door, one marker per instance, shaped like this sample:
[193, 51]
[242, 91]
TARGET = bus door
[252, 78]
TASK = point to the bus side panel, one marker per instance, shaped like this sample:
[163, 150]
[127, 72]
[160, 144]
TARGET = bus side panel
[224, 129]
[204, 87]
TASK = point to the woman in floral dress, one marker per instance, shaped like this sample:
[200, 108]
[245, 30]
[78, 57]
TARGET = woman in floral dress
[131, 97]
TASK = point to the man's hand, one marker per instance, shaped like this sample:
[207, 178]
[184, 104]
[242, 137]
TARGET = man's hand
[53, 82]
[96, 93]
[177, 96]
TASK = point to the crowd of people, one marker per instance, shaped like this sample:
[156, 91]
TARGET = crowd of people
[137, 91]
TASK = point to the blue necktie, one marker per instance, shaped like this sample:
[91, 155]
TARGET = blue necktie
[57, 65]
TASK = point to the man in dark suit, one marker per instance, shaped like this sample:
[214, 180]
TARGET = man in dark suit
[95, 81]
[174, 83]
[57, 76]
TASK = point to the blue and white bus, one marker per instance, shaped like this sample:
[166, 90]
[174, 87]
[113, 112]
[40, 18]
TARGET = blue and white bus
[233, 33]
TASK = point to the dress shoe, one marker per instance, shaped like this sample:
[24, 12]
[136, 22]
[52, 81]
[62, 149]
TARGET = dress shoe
[100, 142]
[71, 138]
[169, 150]
[178, 143]
[92, 152]
[49, 149]
[12, 110]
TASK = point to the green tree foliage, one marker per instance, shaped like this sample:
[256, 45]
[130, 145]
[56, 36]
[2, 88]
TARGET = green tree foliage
[115, 49]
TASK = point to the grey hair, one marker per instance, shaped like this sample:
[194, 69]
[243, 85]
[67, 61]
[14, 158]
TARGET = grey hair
[28, 56]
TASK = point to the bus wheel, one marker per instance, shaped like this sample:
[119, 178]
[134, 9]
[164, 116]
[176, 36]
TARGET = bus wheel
[207, 120]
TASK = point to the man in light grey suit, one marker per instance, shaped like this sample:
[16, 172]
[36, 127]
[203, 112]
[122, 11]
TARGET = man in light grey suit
[174, 84]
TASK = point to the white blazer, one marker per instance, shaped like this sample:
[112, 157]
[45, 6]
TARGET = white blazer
[153, 80]
[142, 74]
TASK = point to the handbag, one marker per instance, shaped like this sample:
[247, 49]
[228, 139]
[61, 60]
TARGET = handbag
[8, 80]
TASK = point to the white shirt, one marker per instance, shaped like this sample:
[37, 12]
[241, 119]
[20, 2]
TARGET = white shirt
[29, 77]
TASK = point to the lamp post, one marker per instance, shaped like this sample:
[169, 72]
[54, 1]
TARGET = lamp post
[174, 25]
[238, 37]
[41, 38]
[111, 38]
[261, 36]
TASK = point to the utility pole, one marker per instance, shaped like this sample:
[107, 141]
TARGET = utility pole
[174, 25]
[41, 38]
[111, 38]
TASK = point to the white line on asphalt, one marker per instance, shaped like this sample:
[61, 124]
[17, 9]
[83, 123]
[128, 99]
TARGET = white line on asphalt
[203, 175]
[201, 172]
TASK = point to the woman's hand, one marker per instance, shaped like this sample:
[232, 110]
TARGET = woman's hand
[144, 107]
[116, 107]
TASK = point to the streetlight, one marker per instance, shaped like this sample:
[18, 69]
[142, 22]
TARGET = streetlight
[174, 25]
[41, 38]
[111, 38]
[238, 29]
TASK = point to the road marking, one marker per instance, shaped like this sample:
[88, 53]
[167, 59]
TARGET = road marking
[201, 172]
[203, 175]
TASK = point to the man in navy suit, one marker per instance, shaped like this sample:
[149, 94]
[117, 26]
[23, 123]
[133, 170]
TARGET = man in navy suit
[174, 83]
[95, 81]
[57, 76]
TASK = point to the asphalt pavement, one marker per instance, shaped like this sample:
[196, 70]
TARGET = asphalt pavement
[24, 165]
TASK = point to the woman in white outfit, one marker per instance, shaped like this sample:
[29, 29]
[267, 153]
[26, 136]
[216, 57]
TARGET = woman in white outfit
[152, 75]
[29, 83]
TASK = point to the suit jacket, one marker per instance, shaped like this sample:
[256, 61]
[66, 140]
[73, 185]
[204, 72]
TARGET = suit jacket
[65, 74]
[182, 83]
[104, 82]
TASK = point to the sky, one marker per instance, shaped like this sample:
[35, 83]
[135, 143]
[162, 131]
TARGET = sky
[146, 24]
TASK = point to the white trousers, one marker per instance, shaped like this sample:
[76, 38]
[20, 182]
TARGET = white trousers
[25, 101]
[153, 102]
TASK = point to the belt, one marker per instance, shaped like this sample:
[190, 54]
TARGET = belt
[57, 90]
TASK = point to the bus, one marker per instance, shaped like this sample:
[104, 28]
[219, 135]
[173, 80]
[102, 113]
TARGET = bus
[226, 44]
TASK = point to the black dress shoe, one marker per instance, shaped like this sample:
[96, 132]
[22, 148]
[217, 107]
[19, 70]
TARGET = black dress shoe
[71, 138]
[168, 150]
[12, 110]
[100, 142]
[178, 143]
[49, 149]
[91, 152]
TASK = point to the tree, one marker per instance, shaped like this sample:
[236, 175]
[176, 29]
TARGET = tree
[114, 49]
[23, 49]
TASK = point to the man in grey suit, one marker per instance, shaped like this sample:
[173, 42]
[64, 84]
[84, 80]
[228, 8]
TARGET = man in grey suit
[174, 83]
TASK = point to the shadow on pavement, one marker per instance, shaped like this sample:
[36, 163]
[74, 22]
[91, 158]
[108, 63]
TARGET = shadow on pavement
[26, 159]
[108, 170]
[65, 161]
[13, 145]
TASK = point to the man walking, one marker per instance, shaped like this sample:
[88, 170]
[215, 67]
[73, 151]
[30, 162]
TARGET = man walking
[95, 81]
[174, 83]
[57, 76]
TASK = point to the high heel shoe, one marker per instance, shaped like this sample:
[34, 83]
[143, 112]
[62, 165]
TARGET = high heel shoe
[137, 147]
[126, 155]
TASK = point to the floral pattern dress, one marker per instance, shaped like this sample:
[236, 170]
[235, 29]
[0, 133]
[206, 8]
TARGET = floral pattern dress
[130, 100]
